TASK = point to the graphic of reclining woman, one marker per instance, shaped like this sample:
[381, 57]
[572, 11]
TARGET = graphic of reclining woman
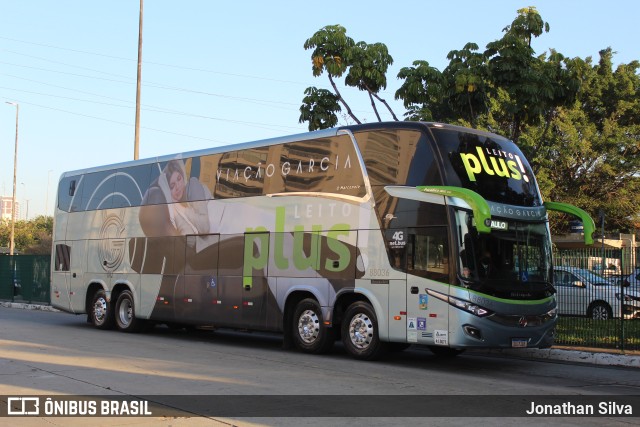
[186, 215]
[175, 206]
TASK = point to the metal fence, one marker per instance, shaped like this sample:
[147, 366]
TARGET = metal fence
[598, 294]
[25, 278]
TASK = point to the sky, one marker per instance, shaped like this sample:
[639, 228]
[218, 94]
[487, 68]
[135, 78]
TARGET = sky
[217, 73]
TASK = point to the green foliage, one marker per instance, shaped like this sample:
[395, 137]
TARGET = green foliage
[467, 84]
[368, 66]
[336, 53]
[535, 85]
[528, 23]
[591, 155]
[33, 236]
[330, 47]
[319, 108]
[422, 92]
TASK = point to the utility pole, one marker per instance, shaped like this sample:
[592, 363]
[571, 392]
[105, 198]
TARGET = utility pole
[15, 174]
[136, 144]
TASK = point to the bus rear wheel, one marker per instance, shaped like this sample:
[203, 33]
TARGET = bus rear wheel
[310, 334]
[360, 332]
[125, 313]
[100, 311]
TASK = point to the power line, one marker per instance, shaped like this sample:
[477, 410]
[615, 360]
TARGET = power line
[263, 102]
[153, 63]
[121, 123]
[127, 80]
[159, 86]
[161, 64]
[156, 109]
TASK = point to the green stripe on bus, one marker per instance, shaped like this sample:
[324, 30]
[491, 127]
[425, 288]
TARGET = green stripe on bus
[507, 301]
[481, 210]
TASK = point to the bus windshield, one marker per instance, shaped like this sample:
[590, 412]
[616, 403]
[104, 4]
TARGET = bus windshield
[511, 262]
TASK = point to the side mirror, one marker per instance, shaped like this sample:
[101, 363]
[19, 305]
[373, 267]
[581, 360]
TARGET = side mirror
[578, 284]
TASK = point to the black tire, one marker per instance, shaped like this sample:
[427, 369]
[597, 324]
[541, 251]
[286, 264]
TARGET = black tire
[125, 313]
[600, 311]
[445, 352]
[101, 311]
[360, 332]
[309, 332]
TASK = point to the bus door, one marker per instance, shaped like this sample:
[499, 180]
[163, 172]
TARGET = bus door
[255, 288]
[428, 266]
[77, 290]
[61, 274]
[241, 287]
[199, 295]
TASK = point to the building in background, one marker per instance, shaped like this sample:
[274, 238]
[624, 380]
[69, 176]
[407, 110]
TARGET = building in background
[5, 208]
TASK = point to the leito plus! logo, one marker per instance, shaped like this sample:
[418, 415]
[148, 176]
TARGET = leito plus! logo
[494, 162]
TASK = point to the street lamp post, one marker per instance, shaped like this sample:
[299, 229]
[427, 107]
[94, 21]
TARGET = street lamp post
[24, 195]
[15, 172]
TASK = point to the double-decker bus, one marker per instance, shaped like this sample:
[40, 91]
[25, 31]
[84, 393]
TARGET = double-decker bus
[381, 235]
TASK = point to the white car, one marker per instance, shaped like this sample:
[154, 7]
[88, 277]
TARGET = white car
[632, 280]
[581, 292]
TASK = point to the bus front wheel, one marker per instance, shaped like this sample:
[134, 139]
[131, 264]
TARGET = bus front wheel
[310, 334]
[360, 332]
[125, 313]
[100, 310]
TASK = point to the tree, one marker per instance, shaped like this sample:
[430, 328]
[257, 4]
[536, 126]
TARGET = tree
[364, 66]
[319, 108]
[330, 53]
[468, 86]
[29, 234]
[457, 94]
[422, 92]
[535, 86]
[577, 122]
[591, 155]
[368, 71]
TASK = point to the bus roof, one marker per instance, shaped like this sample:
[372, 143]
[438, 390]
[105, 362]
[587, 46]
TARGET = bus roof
[273, 141]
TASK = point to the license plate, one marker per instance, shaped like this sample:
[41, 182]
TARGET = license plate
[519, 342]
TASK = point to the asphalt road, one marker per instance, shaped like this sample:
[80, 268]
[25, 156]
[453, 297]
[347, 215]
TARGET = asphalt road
[47, 353]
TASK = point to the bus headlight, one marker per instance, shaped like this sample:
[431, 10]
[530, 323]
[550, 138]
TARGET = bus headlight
[467, 306]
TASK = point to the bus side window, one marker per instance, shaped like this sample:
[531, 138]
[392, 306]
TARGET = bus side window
[67, 188]
[428, 253]
[63, 257]
[396, 241]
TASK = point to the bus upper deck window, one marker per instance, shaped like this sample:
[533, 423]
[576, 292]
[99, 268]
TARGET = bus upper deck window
[72, 188]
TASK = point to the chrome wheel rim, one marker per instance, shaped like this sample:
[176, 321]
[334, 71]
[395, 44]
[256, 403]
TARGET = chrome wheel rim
[100, 307]
[309, 326]
[125, 313]
[361, 331]
[600, 313]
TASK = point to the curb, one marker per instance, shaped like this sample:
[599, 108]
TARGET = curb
[573, 356]
[27, 306]
[598, 358]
